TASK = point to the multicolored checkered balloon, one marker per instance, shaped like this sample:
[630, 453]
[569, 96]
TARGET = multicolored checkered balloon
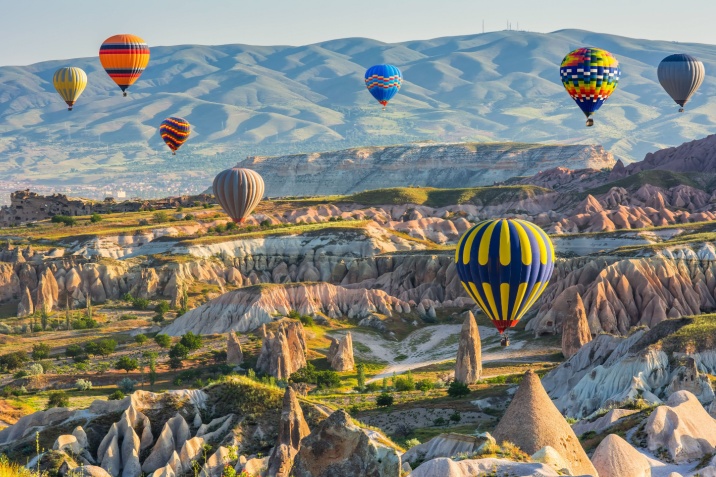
[175, 131]
[590, 76]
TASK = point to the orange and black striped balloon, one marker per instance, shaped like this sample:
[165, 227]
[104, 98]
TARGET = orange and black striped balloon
[124, 57]
[175, 131]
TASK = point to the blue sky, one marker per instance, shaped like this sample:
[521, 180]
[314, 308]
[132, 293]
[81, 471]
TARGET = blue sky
[37, 30]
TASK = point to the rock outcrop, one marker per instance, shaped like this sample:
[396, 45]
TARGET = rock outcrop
[234, 355]
[615, 456]
[340, 353]
[338, 447]
[533, 422]
[292, 429]
[445, 467]
[682, 427]
[575, 328]
[26, 306]
[468, 366]
[283, 352]
[446, 445]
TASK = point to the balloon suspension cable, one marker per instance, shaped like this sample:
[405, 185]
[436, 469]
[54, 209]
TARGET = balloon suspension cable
[590, 122]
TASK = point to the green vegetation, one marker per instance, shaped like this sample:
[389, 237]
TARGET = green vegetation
[64, 219]
[57, 399]
[163, 340]
[191, 341]
[458, 389]
[40, 351]
[442, 197]
[698, 335]
[126, 363]
[384, 400]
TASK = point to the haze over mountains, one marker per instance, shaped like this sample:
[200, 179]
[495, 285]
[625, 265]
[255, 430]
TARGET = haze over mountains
[245, 100]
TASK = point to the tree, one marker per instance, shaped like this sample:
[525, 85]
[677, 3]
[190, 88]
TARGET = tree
[191, 341]
[126, 385]
[73, 350]
[404, 383]
[328, 379]
[116, 396]
[12, 361]
[57, 399]
[103, 347]
[424, 385]
[127, 364]
[384, 400]
[152, 370]
[40, 351]
[163, 340]
[140, 339]
[44, 319]
[458, 389]
[179, 351]
[94, 218]
[360, 368]
[64, 219]
[161, 217]
[162, 307]
[455, 417]
[175, 363]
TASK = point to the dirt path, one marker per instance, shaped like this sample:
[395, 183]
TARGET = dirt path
[426, 346]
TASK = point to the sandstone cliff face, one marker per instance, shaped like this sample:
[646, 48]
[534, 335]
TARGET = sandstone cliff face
[283, 352]
[434, 165]
[292, 429]
[340, 353]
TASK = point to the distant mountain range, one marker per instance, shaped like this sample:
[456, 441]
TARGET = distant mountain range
[270, 100]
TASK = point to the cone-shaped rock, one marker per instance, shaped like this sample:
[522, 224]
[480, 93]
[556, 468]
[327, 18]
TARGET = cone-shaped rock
[468, 367]
[532, 422]
[25, 307]
[340, 354]
[575, 330]
[234, 355]
[284, 352]
[292, 428]
[615, 456]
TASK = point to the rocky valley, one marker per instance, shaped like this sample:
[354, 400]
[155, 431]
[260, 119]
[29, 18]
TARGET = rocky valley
[331, 335]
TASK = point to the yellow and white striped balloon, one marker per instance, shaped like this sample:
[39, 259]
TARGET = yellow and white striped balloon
[70, 82]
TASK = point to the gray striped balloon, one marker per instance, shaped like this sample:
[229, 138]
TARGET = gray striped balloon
[238, 191]
[680, 75]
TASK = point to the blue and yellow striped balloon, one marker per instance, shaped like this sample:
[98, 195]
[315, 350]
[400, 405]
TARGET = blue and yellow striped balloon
[505, 265]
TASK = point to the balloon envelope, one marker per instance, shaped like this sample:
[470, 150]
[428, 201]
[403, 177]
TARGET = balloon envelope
[174, 131]
[383, 82]
[590, 76]
[238, 191]
[505, 265]
[124, 58]
[680, 75]
[69, 83]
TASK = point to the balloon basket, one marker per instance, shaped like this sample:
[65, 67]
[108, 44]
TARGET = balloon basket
[124, 94]
[681, 110]
[590, 122]
[69, 109]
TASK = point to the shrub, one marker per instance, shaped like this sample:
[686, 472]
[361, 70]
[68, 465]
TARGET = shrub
[94, 218]
[163, 340]
[35, 369]
[73, 350]
[373, 387]
[126, 385]
[424, 385]
[140, 303]
[64, 219]
[439, 422]
[143, 222]
[162, 307]
[57, 399]
[141, 338]
[265, 223]
[103, 347]
[328, 379]
[189, 217]
[84, 323]
[81, 358]
[116, 395]
[83, 385]
[455, 417]
[40, 351]
[161, 217]
[127, 317]
[458, 389]
[384, 400]
[404, 383]
[411, 443]
[127, 364]
[179, 351]
[175, 362]
[191, 341]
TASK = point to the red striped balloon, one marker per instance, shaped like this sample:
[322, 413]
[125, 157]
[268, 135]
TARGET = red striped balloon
[175, 131]
[124, 58]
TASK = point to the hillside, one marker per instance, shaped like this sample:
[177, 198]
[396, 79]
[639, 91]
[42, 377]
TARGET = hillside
[246, 100]
[431, 165]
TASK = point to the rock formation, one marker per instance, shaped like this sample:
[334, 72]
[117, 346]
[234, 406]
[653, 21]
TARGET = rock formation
[338, 447]
[234, 355]
[445, 467]
[468, 366]
[340, 353]
[575, 328]
[615, 456]
[447, 445]
[283, 352]
[292, 428]
[682, 427]
[26, 306]
[533, 422]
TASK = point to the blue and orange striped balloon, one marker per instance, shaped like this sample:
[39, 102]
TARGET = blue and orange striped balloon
[383, 82]
[124, 58]
[175, 131]
[505, 265]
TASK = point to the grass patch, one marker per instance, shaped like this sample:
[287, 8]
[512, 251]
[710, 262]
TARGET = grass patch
[696, 336]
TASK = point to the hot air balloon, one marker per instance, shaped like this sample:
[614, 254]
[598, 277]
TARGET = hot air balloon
[238, 191]
[680, 75]
[505, 265]
[124, 57]
[175, 131]
[70, 82]
[383, 82]
[590, 76]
